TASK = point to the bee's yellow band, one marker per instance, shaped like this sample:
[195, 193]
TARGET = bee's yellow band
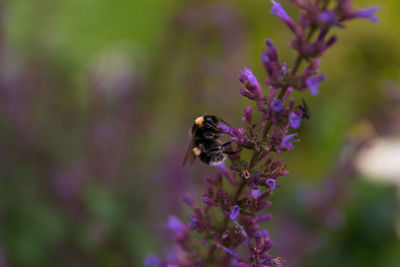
[196, 151]
[199, 121]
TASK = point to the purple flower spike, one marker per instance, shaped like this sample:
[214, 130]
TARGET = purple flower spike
[313, 83]
[175, 225]
[253, 91]
[278, 10]
[276, 105]
[368, 13]
[240, 190]
[271, 183]
[271, 51]
[247, 115]
[288, 139]
[235, 212]
[294, 120]
[152, 260]
[247, 76]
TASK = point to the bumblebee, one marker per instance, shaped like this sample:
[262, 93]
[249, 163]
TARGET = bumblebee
[206, 143]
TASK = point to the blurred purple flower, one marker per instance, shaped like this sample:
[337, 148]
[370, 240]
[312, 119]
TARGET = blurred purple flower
[313, 83]
[276, 105]
[209, 201]
[271, 183]
[294, 120]
[327, 17]
[279, 11]
[188, 200]
[152, 260]
[175, 225]
[235, 212]
[288, 139]
[368, 13]
[255, 193]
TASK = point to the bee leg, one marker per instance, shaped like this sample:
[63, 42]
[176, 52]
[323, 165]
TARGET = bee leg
[215, 148]
[210, 125]
[227, 143]
[230, 152]
[209, 135]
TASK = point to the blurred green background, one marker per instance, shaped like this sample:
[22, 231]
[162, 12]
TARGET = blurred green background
[96, 98]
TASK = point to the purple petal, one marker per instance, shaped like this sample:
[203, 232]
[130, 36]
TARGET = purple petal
[276, 105]
[368, 13]
[188, 200]
[247, 114]
[279, 11]
[288, 139]
[223, 128]
[313, 83]
[294, 120]
[247, 76]
[235, 212]
[175, 225]
[271, 183]
[255, 193]
[327, 17]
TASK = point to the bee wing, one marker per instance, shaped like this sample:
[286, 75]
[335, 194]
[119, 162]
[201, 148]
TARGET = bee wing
[189, 153]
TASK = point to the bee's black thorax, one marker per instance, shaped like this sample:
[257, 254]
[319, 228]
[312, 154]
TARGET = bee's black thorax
[206, 144]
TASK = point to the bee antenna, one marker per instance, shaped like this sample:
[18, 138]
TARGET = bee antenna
[224, 122]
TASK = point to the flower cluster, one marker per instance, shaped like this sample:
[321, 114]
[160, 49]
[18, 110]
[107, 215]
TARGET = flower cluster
[226, 219]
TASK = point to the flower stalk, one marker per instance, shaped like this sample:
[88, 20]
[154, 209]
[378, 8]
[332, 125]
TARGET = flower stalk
[255, 179]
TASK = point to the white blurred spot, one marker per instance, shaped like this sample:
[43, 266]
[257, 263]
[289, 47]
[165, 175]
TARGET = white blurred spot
[381, 160]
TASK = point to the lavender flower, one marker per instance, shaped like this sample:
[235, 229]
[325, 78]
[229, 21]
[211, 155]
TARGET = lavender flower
[281, 13]
[250, 82]
[368, 13]
[288, 139]
[327, 18]
[175, 225]
[294, 120]
[247, 116]
[235, 212]
[271, 63]
[313, 83]
[271, 183]
[266, 139]
[276, 105]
